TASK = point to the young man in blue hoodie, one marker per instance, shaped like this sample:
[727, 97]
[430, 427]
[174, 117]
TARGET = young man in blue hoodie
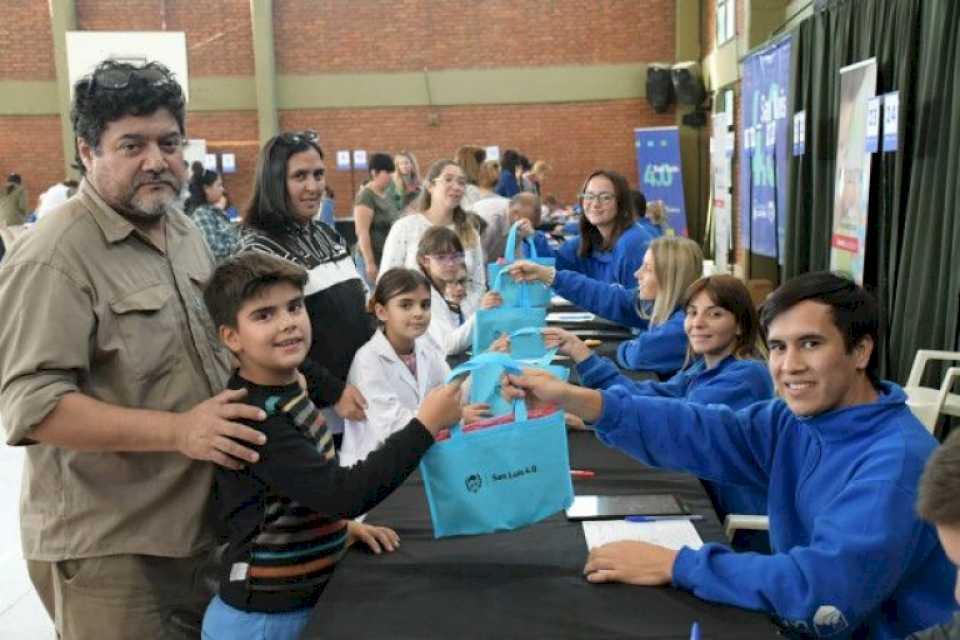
[839, 455]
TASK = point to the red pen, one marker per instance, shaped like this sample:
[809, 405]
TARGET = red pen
[582, 473]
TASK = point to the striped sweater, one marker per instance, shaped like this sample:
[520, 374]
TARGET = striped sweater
[335, 297]
[285, 514]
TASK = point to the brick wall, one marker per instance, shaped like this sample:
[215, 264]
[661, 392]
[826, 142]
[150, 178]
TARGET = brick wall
[603, 136]
[26, 42]
[408, 35]
[330, 36]
[218, 31]
[30, 146]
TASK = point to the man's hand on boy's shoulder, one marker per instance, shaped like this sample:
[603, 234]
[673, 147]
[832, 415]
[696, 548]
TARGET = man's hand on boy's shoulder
[209, 430]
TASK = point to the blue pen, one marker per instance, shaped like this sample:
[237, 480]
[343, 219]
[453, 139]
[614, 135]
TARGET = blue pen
[695, 631]
[661, 518]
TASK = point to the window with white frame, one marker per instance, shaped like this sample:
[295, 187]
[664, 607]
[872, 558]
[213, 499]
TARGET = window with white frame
[726, 20]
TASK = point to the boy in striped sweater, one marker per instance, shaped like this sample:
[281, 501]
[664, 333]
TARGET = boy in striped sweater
[287, 514]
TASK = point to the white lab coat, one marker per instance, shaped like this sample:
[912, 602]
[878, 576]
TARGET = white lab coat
[446, 329]
[393, 395]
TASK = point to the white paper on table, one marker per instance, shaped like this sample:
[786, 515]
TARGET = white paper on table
[672, 534]
[558, 301]
[571, 316]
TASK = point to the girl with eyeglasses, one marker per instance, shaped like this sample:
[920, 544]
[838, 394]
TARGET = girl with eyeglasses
[724, 365]
[611, 246]
[440, 258]
[439, 205]
[281, 220]
[654, 306]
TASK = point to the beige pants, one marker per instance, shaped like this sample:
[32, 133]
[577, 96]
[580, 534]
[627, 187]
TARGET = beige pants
[122, 597]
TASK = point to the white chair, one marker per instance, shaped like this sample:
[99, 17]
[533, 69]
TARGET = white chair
[736, 521]
[927, 403]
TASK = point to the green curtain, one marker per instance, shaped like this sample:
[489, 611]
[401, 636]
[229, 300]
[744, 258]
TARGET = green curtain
[913, 232]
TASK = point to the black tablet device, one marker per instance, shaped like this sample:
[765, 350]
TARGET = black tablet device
[615, 507]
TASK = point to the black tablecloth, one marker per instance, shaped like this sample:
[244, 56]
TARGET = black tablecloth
[519, 584]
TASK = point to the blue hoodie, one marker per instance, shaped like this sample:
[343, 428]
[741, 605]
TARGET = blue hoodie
[849, 551]
[733, 383]
[661, 349]
[542, 244]
[617, 265]
[653, 230]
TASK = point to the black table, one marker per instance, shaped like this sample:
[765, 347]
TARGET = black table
[519, 584]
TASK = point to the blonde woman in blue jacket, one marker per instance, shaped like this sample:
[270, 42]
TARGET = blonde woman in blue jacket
[654, 307]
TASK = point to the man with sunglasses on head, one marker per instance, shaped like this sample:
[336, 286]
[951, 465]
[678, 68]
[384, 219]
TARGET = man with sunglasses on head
[110, 370]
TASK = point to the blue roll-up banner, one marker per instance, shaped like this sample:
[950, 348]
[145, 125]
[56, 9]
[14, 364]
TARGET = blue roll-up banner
[661, 172]
[765, 152]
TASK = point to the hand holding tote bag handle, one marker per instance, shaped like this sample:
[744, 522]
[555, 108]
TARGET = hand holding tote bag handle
[519, 294]
[500, 478]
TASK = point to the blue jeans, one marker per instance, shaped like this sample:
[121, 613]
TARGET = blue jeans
[223, 622]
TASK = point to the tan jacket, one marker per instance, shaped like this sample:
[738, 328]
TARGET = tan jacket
[91, 306]
[13, 205]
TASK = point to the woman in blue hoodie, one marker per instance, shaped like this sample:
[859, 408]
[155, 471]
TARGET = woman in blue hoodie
[655, 306]
[724, 365]
[611, 245]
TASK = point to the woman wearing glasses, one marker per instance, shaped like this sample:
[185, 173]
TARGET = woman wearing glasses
[439, 205]
[611, 246]
[655, 306]
[288, 192]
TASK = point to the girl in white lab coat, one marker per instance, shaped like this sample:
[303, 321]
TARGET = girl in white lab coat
[397, 367]
[440, 258]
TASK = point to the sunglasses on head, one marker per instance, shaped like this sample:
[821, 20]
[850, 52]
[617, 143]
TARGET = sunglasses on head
[116, 78]
[299, 137]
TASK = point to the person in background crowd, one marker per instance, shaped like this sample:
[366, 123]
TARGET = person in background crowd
[656, 219]
[838, 453]
[373, 215]
[724, 365]
[56, 195]
[508, 186]
[490, 206]
[204, 206]
[470, 158]
[525, 209]
[327, 209]
[937, 504]
[532, 180]
[439, 205]
[288, 192]
[655, 307]
[523, 168]
[610, 247]
[405, 186]
[114, 377]
[13, 202]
